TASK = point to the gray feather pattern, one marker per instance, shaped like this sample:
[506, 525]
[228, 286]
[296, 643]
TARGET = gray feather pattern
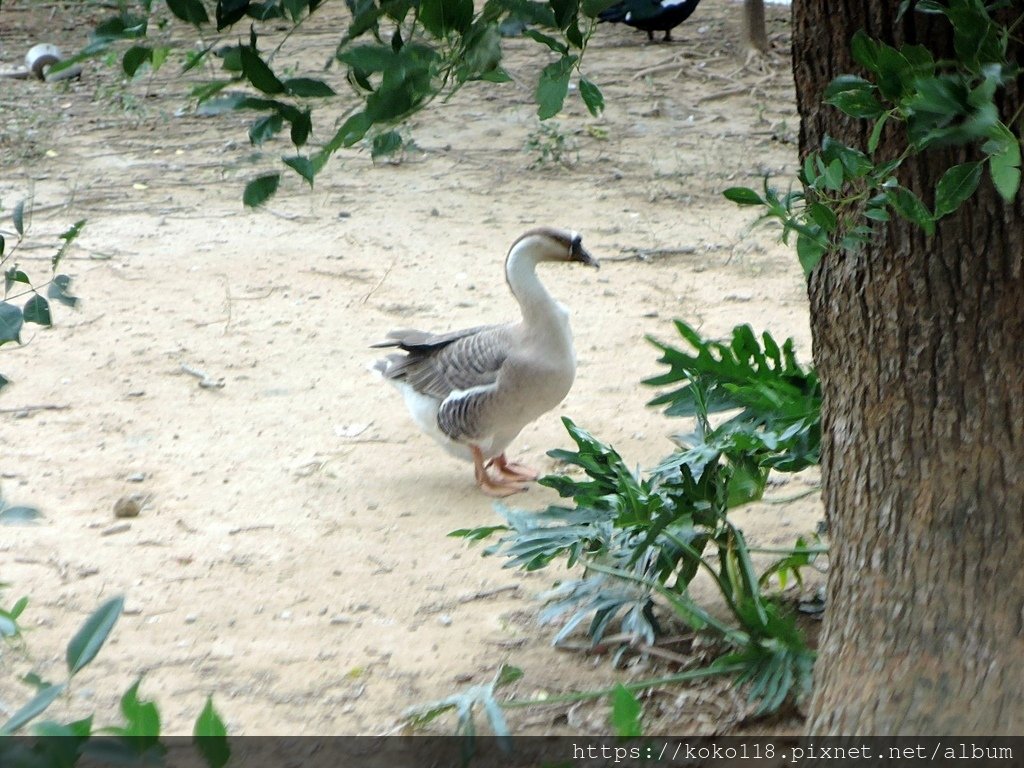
[460, 415]
[440, 364]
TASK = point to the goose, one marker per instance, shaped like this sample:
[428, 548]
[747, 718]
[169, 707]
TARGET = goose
[650, 15]
[474, 390]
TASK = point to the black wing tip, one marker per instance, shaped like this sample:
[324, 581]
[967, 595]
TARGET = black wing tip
[396, 338]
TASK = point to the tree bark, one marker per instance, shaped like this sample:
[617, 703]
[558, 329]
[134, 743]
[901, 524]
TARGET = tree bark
[754, 30]
[919, 342]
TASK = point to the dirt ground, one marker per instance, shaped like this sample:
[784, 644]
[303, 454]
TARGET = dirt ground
[293, 557]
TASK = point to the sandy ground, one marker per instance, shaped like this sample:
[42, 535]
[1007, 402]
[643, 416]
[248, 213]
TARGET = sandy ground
[293, 558]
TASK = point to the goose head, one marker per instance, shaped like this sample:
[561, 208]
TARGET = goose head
[551, 244]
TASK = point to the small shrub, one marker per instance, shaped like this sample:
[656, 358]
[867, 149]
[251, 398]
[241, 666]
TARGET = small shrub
[642, 538]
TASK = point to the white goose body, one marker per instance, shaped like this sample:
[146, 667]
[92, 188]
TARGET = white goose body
[473, 391]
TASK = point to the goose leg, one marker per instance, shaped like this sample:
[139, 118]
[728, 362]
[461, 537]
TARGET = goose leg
[493, 486]
[512, 469]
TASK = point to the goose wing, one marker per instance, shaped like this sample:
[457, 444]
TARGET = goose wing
[439, 365]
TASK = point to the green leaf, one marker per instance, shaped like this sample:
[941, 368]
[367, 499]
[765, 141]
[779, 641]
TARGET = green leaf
[121, 27]
[845, 83]
[977, 37]
[864, 50]
[507, 674]
[877, 214]
[478, 534]
[296, 7]
[855, 96]
[142, 716]
[1005, 170]
[553, 86]
[264, 128]
[592, 97]
[93, 633]
[801, 556]
[260, 189]
[37, 310]
[159, 56]
[385, 144]
[565, 11]
[809, 251]
[743, 196]
[575, 36]
[302, 126]
[231, 58]
[35, 707]
[19, 516]
[855, 163]
[834, 175]
[550, 42]
[68, 236]
[204, 91]
[369, 58]
[1004, 161]
[626, 713]
[210, 736]
[134, 58]
[592, 8]
[497, 75]
[945, 96]
[909, 206]
[441, 17]
[230, 11]
[11, 322]
[876, 133]
[191, 11]
[15, 275]
[823, 216]
[19, 607]
[194, 58]
[895, 73]
[308, 88]
[258, 72]
[532, 13]
[956, 185]
[351, 131]
[19, 218]
[70, 736]
[306, 167]
[862, 104]
[393, 104]
[483, 52]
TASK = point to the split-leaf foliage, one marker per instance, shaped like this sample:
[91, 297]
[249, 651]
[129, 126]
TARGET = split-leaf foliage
[640, 538]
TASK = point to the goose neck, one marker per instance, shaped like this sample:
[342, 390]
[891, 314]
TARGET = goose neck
[521, 273]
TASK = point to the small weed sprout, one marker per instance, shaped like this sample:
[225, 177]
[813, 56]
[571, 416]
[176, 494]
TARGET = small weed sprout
[549, 147]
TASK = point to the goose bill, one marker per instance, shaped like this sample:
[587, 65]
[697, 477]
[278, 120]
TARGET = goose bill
[582, 255]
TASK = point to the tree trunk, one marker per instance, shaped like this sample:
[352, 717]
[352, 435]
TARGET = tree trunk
[754, 30]
[919, 342]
